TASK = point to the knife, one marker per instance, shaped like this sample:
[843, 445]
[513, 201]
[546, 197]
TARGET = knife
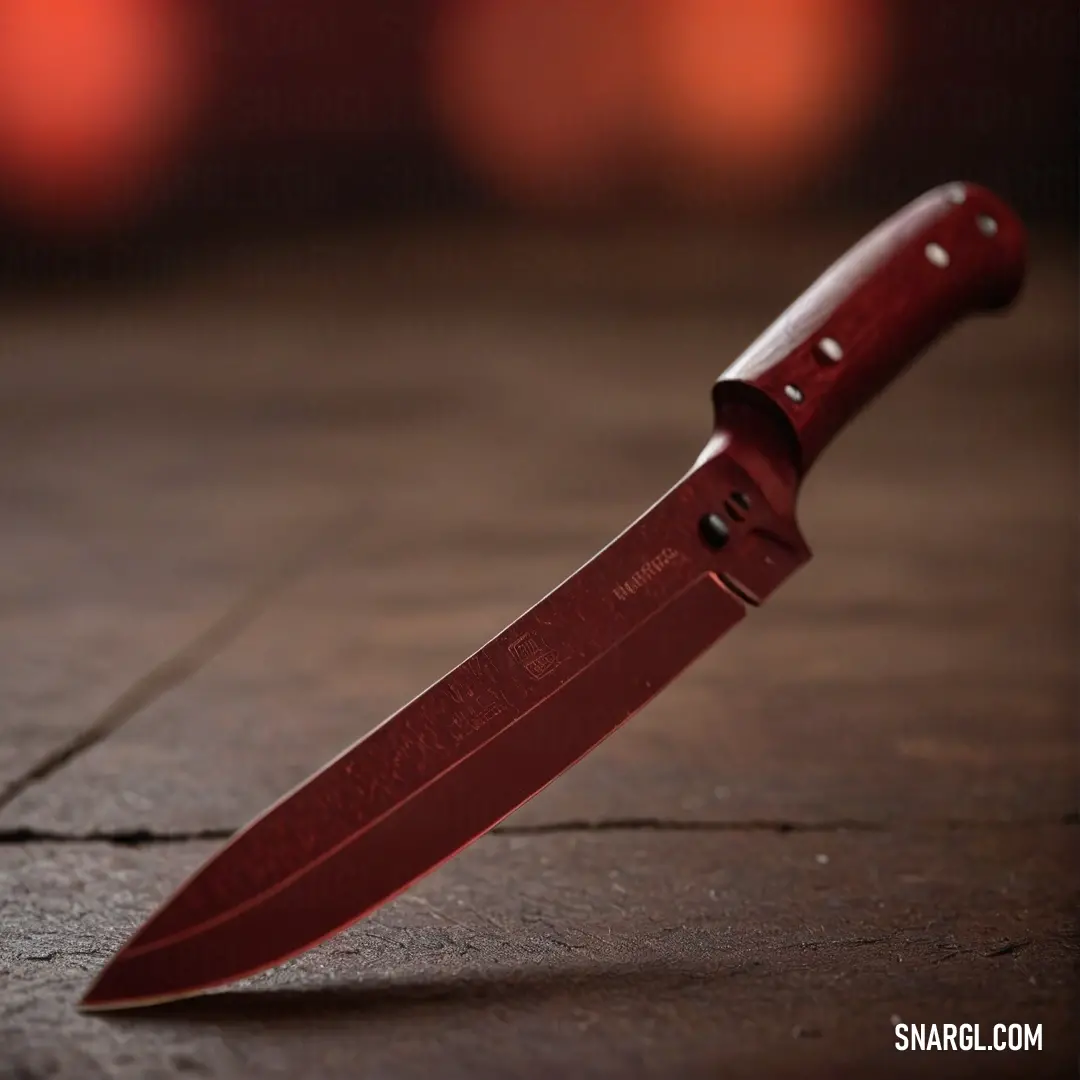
[472, 748]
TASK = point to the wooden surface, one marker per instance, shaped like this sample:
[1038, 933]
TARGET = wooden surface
[249, 512]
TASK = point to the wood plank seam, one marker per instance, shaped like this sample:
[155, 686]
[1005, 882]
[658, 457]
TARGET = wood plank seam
[146, 837]
[189, 659]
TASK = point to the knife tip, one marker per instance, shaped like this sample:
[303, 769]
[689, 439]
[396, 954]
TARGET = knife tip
[95, 1002]
[107, 993]
[91, 1003]
[99, 998]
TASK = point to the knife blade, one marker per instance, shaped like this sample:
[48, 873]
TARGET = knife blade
[492, 733]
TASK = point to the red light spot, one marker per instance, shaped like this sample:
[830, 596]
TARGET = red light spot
[751, 97]
[94, 98]
[533, 94]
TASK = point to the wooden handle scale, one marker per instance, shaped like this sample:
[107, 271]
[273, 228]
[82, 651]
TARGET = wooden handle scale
[955, 251]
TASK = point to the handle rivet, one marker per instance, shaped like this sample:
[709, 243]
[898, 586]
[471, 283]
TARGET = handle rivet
[793, 392]
[828, 349]
[937, 255]
[714, 531]
[987, 225]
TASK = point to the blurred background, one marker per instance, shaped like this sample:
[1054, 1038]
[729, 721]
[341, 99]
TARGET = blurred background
[159, 125]
[334, 333]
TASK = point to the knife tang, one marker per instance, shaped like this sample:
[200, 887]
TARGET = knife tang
[955, 251]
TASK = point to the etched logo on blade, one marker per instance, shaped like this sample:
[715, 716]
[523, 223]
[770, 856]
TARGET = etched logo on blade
[647, 572]
[533, 655]
[477, 704]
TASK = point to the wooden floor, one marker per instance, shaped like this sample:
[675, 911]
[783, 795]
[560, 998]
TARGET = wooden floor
[247, 511]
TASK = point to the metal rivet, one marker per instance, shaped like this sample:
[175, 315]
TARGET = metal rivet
[793, 392]
[714, 531]
[987, 225]
[956, 193]
[828, 349]
[937, 255]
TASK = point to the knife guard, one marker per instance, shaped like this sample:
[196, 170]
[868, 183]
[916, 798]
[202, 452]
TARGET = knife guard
[955, 251]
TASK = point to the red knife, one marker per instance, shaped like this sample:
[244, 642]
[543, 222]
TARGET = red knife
[471, 749]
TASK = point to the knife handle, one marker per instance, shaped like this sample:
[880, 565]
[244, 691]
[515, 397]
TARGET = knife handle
[955, 251]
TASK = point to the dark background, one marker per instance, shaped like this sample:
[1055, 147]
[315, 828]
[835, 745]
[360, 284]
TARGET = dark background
[332, 115]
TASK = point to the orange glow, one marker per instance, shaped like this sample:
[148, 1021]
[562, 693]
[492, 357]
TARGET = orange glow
[534, 94]
[715, 100]
[752, 97]
[94, 97]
